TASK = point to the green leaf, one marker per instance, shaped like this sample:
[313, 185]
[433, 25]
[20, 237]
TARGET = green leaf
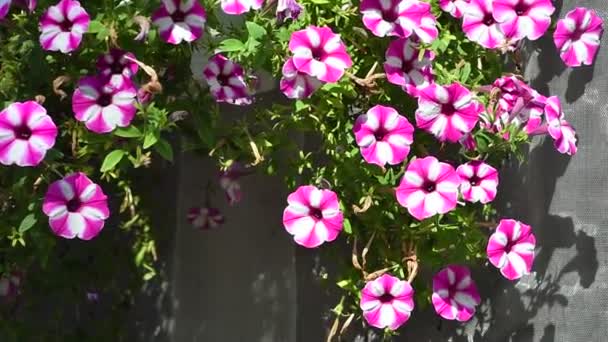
[465, 73]
[128, 132]
[231, 44]
[150, 140]
[164, 149]
[112, 159]
[28, 222]
[348, 229]
[255, 31]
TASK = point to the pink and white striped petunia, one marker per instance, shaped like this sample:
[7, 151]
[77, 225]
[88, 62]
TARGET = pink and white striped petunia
[180, 20]
[455, 294]
[524, 18]
[404, 67]
[288, 9]
[76, 207]
[229, 182]
[558, 128]
[400, 18]
[205, 218]
[226, 80]
[448, 112]
[478, 181]
[387, 302]
[296, 84]
[383, 136]
[577, 36]
[26, 133]
[104, 104]
[479, 25]
[320, 53]
[455, 8]
[30, 5]
[63, 26]
[117, 62]
[236, 7]
[511, 248]
[5, 6]
[428, 187]
[313, 216]
[10, 284]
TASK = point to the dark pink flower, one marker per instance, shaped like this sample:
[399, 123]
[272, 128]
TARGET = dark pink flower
[229, 182]
[288, 9]
[511, 248]
[405, 68]
[400, 18]
[226, 80]
[455, 294]
[387, 302]
[456, 8]
[63, 26]
[558, 128]
[577, 36]
[479, 25]
[116, 62]
[180, 20]
[525, 18]
[296, 84]
[236, 7]
[205, 218]
[478, 181]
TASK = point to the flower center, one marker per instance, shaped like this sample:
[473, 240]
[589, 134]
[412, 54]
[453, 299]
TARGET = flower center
[380, 134]
[474, 180]
[223, 80]
[488, 19]
[23, 132]
[117, 68]
[104, 100]
[429, 186]
[576, 35]
[509, 246]
[73, 204]
[317, 53]
[390, 15]
[385, 298]
[448, 109]
[66, 25]
[316, 213]
[178, 16]
[521, 8]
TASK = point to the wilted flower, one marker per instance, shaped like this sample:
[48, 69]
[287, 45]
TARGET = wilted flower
[313, 216]
[387, 302]
[26, 133]
[76, 207]
[577, 36]
[63, 26]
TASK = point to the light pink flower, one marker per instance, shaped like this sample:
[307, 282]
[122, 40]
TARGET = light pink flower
[288, 9]
[10, 285]
[387, 302]
[297, 84]
[479, 25]
[226, 81]
[313, 216]
[76, 207]
[180, 20]
[229, 182]
[428, 187]
[104, 104]
[404, 67]
[205, 218]
[320, 53]
[26, 133]
[478, 181]
[577, 36]
[448, 112]
[383, 136]
[236, 7]
[524, 18]
[558, 128]
[455, 294]
[511, 248]
[116, 62]
[63, 25]
[455, 8]
[400, 18]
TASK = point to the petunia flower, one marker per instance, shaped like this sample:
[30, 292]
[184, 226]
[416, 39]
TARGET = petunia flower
[384, 136]
[313, 216]
[577, 36]
[296, 84]
[180, 20]
[5, 6]
[479, 25]
[76, 207]
[320, 53]
[455, 294]
[26, 133]
[448, 112]
[10, 285]
[478, 181]
[428, 187]
[400, 18]
[525, 18]
[511, 248]
[387, 302]
[405, 68]
[236, 7]
[558, 128]
[205, 218]
[288, 9]
[229, 182]
[226, 81]
[63, 26]
[116, 62]
[30, 5]
[455, 8]
[104, 104]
